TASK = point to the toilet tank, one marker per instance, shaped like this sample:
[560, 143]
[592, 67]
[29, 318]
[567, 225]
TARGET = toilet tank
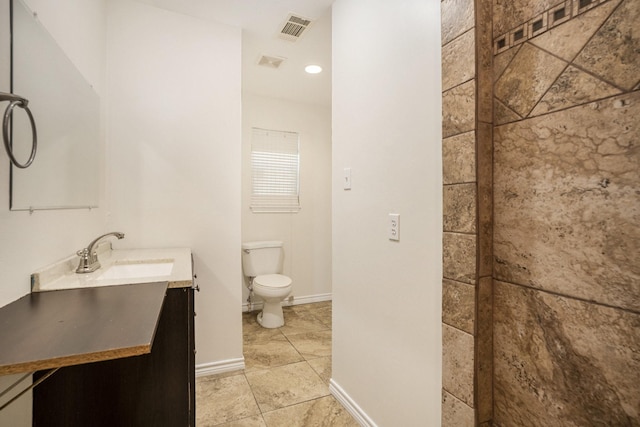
[262, 258]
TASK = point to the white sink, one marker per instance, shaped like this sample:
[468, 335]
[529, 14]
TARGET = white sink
[137, 269]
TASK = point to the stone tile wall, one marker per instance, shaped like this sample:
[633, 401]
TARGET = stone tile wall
[467, 252]
[567, 213]
[541, 157]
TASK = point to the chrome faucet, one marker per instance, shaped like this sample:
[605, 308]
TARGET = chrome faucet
[89, 258]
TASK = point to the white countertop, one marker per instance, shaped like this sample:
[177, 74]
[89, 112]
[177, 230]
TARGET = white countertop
[62, 275]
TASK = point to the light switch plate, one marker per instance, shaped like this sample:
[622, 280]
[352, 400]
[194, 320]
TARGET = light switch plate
[394, 227]
[347, 178]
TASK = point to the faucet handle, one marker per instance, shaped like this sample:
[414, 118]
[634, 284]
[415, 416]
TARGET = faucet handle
[83, 252]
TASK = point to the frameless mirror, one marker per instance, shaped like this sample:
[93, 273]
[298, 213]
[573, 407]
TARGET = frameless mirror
[65, 172]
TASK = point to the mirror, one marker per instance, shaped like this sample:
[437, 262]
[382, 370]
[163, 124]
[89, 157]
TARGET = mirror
[65, 173]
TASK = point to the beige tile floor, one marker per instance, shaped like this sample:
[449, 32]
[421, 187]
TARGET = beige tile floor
[285, 382]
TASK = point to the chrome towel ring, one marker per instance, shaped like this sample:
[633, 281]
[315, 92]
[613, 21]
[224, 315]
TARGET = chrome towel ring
[22, 103]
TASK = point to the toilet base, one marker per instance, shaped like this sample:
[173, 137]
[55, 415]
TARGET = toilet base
[271, 315]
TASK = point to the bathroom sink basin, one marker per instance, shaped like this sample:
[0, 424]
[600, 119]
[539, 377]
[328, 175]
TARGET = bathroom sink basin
[138, 269]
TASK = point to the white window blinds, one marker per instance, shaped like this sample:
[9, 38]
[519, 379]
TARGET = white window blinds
[275, 171]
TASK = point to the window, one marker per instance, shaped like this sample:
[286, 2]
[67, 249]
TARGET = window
[275, 173]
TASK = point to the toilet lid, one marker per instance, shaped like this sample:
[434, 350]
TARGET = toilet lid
[272, 280]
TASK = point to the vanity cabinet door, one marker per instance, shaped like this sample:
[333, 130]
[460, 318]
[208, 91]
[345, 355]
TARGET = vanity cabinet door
[156, 389]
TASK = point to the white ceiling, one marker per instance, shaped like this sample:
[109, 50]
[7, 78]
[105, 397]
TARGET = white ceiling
[261, 21]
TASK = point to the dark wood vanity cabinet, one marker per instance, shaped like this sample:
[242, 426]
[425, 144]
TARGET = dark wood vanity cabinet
[155, 389]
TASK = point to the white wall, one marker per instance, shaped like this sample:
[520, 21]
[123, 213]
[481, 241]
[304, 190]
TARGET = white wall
[387, 129]
[306, 234]
[30, 241]
[174, 153]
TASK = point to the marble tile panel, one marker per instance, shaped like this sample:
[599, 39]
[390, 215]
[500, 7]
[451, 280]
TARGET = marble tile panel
[508, 14]
[323, 412]
[573, 87]
[255, 421]
[564, 362]
[459, 208]
[485, 199]
[322, 366]
[458, 363]
[484, 350]
[220, 400]
[269, 353]
[457, 16]
[458, 60]
[459, 109]
[613, 52]
[566, 208]
[527, 78]
[287, 385]
[459, 158]
[568, 39]
[501, 61]
[459, 305]
[456, 413]
[312, 345]
[503, 114]
[459, 257]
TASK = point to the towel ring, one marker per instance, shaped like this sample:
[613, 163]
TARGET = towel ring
[22, 103]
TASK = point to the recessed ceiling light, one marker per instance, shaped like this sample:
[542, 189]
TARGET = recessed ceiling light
[313, 69]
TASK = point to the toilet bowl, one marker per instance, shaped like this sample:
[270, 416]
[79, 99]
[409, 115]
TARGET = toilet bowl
[262, 264]
[273, 289]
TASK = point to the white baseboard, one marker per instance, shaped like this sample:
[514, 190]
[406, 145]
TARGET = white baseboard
[219, 367]
[292, 300]
[352, 407]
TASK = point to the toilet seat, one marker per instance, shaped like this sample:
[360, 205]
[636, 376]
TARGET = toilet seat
[272, 281]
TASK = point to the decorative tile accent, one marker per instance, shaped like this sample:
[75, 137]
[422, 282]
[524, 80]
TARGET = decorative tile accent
[459, 158]
[527, 78]
[456, 413]
[458, 61]
[485, 199]
[614, 52]
[538, 25]
[541, 21]
[484, 61]
[566, 202]
[459, 305]
[459, 253]
[567, 40]
[580, 6]
[573, 87]
[519, 35]
[459, 109]
[564, 362]
[484, 348]
[510, 14]
[458, 363]
[459, 208]
[559, 14]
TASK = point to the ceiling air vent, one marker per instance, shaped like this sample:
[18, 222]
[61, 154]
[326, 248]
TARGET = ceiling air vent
[294, 27]
[271, 61]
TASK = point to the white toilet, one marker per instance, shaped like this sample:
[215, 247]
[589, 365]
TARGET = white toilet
[262, 264]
